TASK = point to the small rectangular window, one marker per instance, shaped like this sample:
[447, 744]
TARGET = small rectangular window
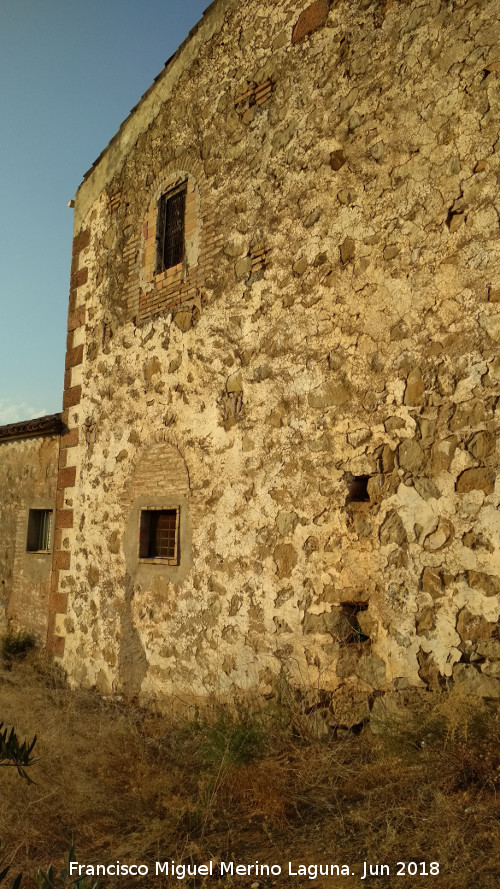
[39, 531]
[159, 535]
[170, 228]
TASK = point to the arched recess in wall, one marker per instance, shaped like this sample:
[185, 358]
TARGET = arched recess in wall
[157, 534]
[176, 240]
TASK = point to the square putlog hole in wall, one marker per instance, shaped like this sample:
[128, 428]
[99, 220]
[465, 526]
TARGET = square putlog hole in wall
[348, 628]
[357, 488]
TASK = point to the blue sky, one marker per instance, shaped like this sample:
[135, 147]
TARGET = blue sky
[70, 71]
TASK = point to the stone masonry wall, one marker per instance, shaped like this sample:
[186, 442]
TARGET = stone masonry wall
[28, 478]
[317, 385]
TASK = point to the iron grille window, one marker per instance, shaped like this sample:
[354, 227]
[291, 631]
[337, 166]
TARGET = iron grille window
[159, 535]
[39, 530]
[170, 228]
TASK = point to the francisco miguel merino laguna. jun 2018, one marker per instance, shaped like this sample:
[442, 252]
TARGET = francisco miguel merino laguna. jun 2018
[218, 869]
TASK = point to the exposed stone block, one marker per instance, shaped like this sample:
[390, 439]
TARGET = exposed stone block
[415, 388]
[489, 648]
[72, 396]
[329, 395]
[286, 559]
[481, 445]
[429, 670]
[74, 357]
[64, 518]
[425, 621]
[440, 537]
[472, 627]
[70, 438]
[55, 644]
[67, 477]
[81, 241]
[347, 250]
[470, 681]
[491, 324]
[300, 266]
[76, 318]
[372, 670]
[488, 584]
[336, 623]
[432, 582]
[61, 560]
[79, 278]
[392, 530]
[242, 268]
[234, 383]
[337, 159]
[410, 455]
[58, 603]
[479, 479]
[312, 18]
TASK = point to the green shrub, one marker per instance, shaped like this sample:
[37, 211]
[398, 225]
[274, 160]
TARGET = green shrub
[4, 873]
[15, 646]
[233, 740]
[51, 879]
[14, 753]
[17, 754]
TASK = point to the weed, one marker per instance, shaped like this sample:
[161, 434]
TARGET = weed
[52, 879]
[13, 753]
[130, 784]
[4, 871]
[231, 740]
[15, 646]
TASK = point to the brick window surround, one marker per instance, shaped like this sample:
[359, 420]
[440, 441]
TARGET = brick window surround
[171, 247]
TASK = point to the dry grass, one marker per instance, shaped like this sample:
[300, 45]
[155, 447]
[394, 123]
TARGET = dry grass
[121, 783]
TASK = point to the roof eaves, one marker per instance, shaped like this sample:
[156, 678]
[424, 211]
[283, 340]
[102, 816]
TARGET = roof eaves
[39, 426]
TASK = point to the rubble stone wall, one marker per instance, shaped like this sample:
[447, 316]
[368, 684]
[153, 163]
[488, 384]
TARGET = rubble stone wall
[318, 388]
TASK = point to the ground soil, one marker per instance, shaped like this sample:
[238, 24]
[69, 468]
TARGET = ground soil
[119, 782]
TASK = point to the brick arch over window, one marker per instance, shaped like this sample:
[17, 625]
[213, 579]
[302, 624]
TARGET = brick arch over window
[177, 241]
[159, 467]
[156, 509]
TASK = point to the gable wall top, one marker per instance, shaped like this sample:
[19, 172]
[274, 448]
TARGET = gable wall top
[111, 159]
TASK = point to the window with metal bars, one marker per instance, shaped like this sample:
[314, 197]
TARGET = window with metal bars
[170, 228]
[39, 531]
[159, 535]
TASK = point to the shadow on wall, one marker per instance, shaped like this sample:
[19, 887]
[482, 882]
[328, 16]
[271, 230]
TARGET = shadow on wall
[132, 660]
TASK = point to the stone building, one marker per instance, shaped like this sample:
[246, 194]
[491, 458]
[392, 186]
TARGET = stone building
[282, 374]
[29, 455]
